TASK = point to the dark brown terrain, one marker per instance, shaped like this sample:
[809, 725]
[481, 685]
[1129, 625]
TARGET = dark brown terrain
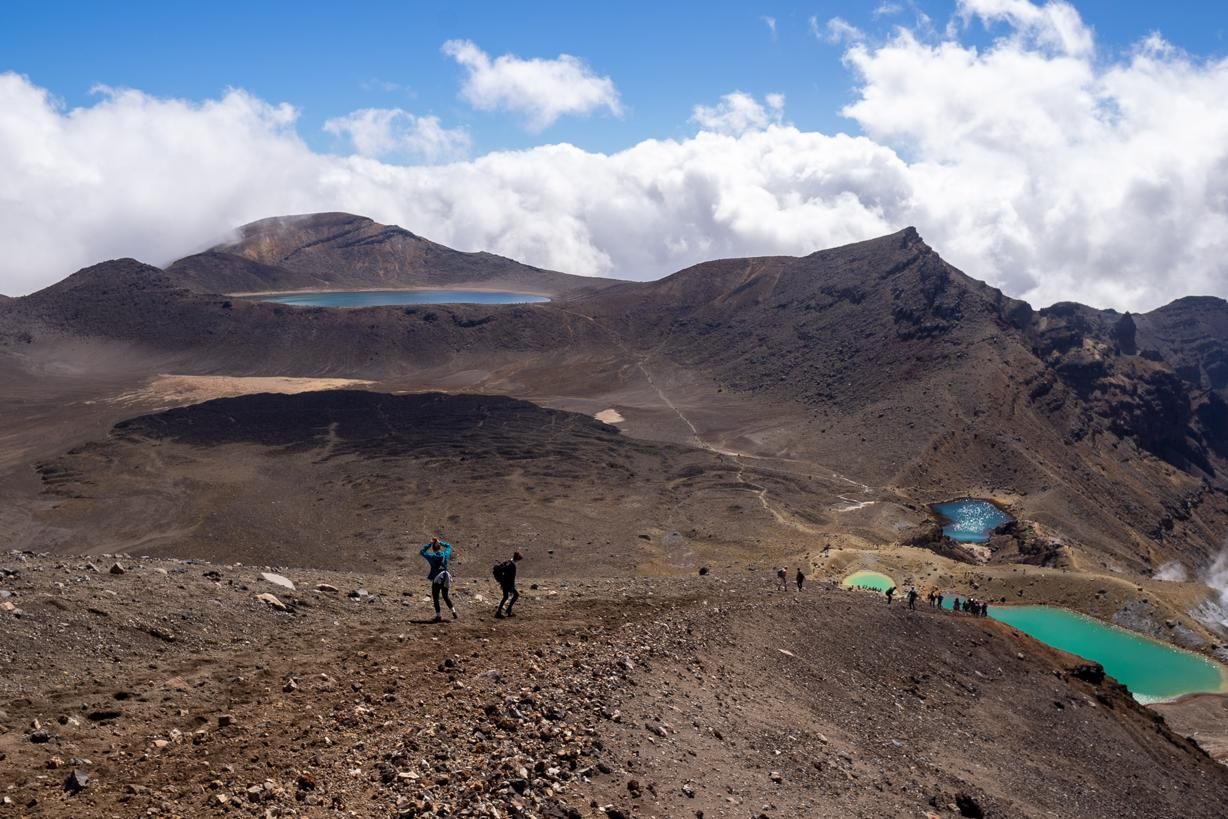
[759, 410]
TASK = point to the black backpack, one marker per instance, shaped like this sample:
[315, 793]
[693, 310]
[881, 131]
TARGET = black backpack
[502, 570]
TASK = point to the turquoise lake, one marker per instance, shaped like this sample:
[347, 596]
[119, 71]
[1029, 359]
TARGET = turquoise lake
[970, 520]
[870, 580]
[1153, 671]
[383, 298]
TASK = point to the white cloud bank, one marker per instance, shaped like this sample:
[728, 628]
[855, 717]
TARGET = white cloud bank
[393, 132]
[540, 90]
[1037, 164]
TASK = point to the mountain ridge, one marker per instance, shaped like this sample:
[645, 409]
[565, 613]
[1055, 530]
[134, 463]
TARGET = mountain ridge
[337, 250]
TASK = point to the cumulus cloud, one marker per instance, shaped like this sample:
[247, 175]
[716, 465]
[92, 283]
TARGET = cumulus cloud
[770, 22]
[1035, 163]
[540, 90]
[1056, 24]
[739, 112]
[392, 132]
[1051, 173]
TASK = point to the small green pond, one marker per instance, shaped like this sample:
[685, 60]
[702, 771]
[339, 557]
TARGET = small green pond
[870, 580]
[1153, 671]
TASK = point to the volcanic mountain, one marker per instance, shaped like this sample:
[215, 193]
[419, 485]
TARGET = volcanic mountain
[340, 251]
[871, 379]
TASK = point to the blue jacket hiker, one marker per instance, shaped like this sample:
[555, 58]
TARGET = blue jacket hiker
[437, 553]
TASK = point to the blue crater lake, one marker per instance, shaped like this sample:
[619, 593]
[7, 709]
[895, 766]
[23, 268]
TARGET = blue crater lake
[970, 520]
[1153, 671]
[384, 298]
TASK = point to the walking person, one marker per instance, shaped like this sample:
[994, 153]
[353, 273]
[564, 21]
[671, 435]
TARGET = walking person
[505, 573]
[890, 594]
[912, 598]
[782, 582]
[437, 553]
[801, 578]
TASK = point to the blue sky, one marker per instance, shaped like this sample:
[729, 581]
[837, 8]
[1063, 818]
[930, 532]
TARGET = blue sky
[327, 59]
[1057, 149]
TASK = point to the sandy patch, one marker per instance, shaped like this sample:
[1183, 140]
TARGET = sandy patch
[192, 389]
[610, 416]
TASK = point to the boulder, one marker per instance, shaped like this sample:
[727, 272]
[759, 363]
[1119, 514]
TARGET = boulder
[76, 781]
[1089, 672]
[272, 600]
[277, 580]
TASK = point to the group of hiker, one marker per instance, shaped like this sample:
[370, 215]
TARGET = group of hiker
[438, 554]
[936, 599]
[782, 578]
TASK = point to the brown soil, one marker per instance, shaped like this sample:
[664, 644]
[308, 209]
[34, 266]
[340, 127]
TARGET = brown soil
[178, 692]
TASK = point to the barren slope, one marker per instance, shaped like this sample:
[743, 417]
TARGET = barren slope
[340, 251]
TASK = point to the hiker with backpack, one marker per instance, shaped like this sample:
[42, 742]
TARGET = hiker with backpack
[437, 553]
[505, 573]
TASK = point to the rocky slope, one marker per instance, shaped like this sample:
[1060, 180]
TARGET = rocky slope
[340, 251]
[875, 365]
[186, 688]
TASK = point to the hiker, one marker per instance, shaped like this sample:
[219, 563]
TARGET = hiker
[782, 575]
[437, 553]
[939, 600]
[984, 609]
[801, 578]
[912, 598]
[505, 573]
[955, 604]
[890, 594]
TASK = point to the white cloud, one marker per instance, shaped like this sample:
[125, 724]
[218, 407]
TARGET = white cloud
[836, 30]
[1054, 175]
[392, 132]
[770, 22]
[540, 90]
[1055, 25]
[738, 112]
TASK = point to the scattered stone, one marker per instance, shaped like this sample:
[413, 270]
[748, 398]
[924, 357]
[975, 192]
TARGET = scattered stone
[776, 777]
[77, 781]
[277, 580]
[225, 720]
[117, 569]
[327, 588]
[272, 600]
[40, 736]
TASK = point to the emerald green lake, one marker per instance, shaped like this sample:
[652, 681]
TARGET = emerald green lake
[1151, 670]
[874, 580]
